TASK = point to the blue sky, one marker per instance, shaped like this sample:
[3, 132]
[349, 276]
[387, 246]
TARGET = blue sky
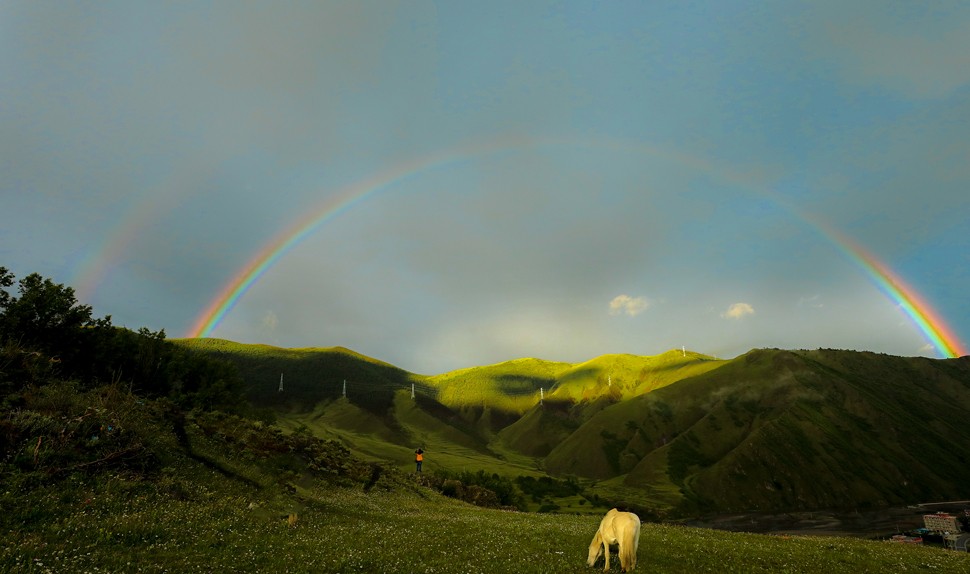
[627, 177]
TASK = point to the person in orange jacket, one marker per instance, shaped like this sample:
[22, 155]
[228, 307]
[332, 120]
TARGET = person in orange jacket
[418, 458]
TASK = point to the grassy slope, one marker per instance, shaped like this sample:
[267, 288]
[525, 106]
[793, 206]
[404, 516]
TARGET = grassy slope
[309, 375]
[344, 530]
[513, 386]
[594, 385]
[243, 500]
[626, 376]
[784, 430]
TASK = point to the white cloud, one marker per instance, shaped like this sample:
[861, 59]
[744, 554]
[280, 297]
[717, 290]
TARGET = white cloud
[631, 306]
[738, 310]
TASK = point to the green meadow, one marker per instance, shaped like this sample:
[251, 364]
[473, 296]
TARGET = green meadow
[349, 531]
[240, 496]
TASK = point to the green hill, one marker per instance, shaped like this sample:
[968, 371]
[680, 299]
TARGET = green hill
[309, 376]
[512, 386]
[582, 390]
[626, 376]
[677, 433]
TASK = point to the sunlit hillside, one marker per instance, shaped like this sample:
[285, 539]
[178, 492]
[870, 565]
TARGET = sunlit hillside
[512, 386]
[626, 376]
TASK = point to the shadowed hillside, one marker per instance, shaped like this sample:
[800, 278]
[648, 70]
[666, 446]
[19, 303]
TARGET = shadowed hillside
[774, 430]
[309, 375]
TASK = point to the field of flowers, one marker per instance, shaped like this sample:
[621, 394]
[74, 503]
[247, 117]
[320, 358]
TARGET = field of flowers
[184, 524]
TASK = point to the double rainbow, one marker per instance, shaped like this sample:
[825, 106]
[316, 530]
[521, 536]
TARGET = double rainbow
[930, 323]
[333, 207]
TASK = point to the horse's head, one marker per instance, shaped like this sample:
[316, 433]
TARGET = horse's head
[595, 549]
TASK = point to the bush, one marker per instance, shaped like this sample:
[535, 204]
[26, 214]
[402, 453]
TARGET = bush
[479, 488]
[545, 486]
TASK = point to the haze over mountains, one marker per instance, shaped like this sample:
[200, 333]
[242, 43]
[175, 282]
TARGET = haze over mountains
[677, 433]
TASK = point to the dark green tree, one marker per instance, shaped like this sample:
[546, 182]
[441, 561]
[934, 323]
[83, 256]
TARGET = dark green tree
[45, 314]
[46, 334]
[46, 317]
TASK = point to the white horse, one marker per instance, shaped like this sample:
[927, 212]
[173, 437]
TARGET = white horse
[622, 528]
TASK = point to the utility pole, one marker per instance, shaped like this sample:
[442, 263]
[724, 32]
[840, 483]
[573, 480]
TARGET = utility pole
[281, 383]
[412, 391]
[345, 388]
[541, 395]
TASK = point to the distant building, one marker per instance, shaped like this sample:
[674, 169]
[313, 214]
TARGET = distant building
[941, 522]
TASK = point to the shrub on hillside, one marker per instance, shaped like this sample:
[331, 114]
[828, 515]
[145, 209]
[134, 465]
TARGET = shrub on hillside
[286, 455]
[545, 486]
[479, 488]
[59, 429]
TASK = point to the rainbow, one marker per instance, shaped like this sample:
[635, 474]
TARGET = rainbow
[99, 259]
[340, 202]
[142, 212]
[933, 327]
[252, 271]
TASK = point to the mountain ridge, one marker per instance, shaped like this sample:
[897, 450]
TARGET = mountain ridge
[680, 433]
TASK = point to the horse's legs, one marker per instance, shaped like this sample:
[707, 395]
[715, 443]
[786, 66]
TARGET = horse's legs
[606, 555]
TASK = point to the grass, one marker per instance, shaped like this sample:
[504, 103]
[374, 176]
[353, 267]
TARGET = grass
[214, 525]
[447, 447]
[625, 376]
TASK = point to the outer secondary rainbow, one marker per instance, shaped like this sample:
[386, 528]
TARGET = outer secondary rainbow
[341, 201]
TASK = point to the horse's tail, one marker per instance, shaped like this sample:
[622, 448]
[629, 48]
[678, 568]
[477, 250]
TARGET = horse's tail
[595, 548]
[631, 535]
